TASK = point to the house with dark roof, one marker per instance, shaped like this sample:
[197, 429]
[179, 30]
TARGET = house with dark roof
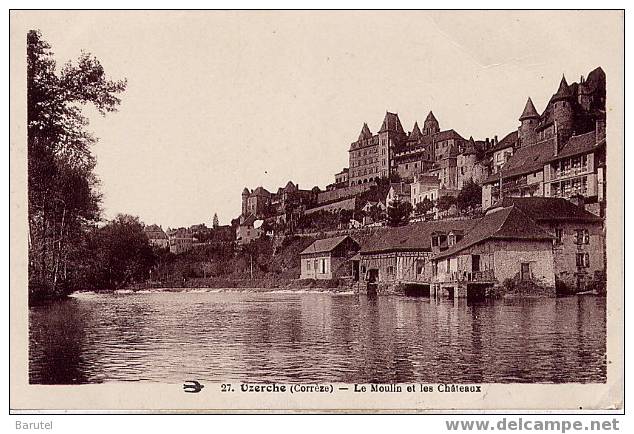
[328, 258]
[505, 247]
[578, 240]
[579, 170]
[393, 259]
[156, 236]
[249, 229]
[522, 175]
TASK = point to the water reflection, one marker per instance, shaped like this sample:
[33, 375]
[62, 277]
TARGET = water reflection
[228, 336]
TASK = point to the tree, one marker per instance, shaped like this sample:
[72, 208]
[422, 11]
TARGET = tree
[63, 197]
[215, 223]
[470, 196]
[120, 254]
[424, 206]
[398, 212]
[444, 202]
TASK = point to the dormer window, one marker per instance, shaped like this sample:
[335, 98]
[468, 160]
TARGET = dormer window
[451, 239]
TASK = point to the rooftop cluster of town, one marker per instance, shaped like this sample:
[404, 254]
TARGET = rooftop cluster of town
[526, 208]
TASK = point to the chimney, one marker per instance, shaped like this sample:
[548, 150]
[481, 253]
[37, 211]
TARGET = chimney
[496, 139]
[486, 143]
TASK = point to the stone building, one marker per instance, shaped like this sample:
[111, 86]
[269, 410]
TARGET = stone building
[328, 258]
[505, 248]
[578, 240]
[470, 165]
[180, 240]
[578, 170]
[249, 229]
[262, 204]
[398, 191]
[156, 236]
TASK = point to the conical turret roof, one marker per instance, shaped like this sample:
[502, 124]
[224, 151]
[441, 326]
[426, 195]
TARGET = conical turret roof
[529, 111]
[564, 91]
[365, 132]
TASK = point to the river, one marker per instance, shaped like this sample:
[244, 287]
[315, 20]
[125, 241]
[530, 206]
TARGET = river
[225, 336]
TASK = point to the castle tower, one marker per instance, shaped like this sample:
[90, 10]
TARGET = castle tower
[527, 131]
[245, 198]
[563, 114]
[391, 135]
[430, 126]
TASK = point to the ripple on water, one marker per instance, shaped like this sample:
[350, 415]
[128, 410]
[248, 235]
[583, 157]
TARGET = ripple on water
[220, 335]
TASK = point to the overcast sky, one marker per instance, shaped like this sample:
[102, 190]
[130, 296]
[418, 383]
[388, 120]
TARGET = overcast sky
[217, 101]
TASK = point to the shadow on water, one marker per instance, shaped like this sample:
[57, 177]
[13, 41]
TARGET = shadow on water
[309, 337]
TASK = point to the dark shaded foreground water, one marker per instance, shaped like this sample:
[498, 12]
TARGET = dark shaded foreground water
[171, 337]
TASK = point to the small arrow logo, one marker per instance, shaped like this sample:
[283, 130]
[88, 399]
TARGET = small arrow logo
[192, 386]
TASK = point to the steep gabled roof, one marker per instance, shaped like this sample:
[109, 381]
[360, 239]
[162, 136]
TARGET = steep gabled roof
[527, 159]
[509, 141]
[326, 245]
[580, 144]
[446, 135]
[505, 223]
[430, 117]
[392, 123]
[416, 133]
[261, 191]
[529, 111]
[549, 209]
[470, 147]
[400, 188]
[365, 132]
[415, 237]
[290, 187]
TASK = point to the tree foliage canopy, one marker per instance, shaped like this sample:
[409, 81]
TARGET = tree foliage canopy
[63, 196]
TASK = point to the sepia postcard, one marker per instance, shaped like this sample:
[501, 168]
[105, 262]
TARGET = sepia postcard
[316, 211]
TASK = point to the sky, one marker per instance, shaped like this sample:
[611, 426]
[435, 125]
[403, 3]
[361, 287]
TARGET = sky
[217, 101]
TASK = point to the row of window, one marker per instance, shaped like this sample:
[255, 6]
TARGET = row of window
[365, 161]
[581, 236]
[570, 166]
[570, 187]
[319, 265]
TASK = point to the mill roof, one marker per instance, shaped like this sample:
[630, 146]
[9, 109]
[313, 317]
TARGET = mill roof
[413, 237]
[505, 223]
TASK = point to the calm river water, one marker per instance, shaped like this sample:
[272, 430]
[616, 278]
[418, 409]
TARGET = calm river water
[171, 337]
